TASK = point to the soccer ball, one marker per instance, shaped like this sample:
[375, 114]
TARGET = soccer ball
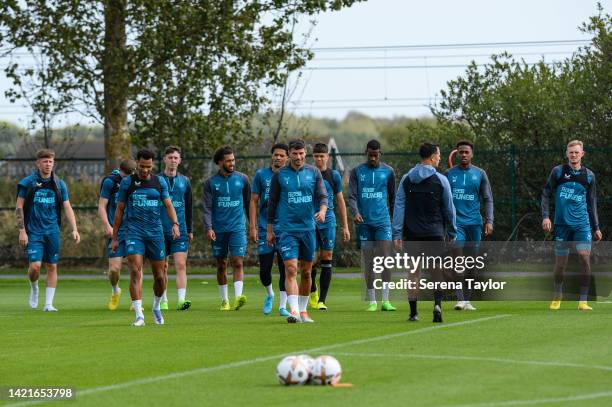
[327, 370]
[292, 370]
[309, 362]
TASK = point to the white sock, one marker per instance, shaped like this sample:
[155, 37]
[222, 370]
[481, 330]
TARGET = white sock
[164, 296]
[372, 295]
[238, 288]
[283, 299]
[156, 301]
[116, 289]
[385, 294]
[223, 292]
[34, 286]
[293, 303]
[137, 305]
[303, 301]
[270, 290]
[49, 293]
[181, 294]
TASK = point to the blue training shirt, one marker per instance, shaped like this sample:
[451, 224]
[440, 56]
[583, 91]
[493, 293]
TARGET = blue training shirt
[226, 202]
[144, 206]
[106, 192]
[469, 186]
[372, 193]
[42, 219]
[261, 186]
[332, 190]
[179, 189]
[575, 197]
[292, 198]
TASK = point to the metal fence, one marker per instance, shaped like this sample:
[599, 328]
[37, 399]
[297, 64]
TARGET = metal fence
[516, 175]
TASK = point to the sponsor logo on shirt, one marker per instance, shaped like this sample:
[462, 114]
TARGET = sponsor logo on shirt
[570, 194]
[297, 198]
[459, 194]
[226, 202]
[370, 193]
[142, 201]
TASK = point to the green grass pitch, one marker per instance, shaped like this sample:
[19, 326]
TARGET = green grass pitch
[506, 353]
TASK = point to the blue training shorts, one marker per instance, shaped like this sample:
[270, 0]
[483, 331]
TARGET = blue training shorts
[152, 249]
[297, 245]
[566, 235]
[180, 245]
[234, 243]
[326, 237]
[120, 252]
[45, 248]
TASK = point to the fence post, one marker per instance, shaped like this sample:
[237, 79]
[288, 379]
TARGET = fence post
[513, 189]
[333, 155]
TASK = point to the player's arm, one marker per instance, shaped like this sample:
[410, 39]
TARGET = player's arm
[346, 234]
[69, 212]
[398, 214]
[19, 215]
[547, 194]
[103, 215]
[321, 197]
[592, 209]
[117, 223]
[246, 199]
[391, 193]
[272, 206]
[486, 194]
[253, 219]
[208, 206]
[353, 196]
[448, 208]
[189, 210]
[167, 201]
[176, 231]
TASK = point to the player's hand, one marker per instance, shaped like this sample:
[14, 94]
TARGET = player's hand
[76, 236]
[23, 238]
[270, 238]
[109, 231]
[114, 245]
[546, 225]
[488, 229]
[597, 235]
[398, 244]
[176, 232]
[320, 216]
[346, 234]
[357, 219]
[210, 234]
[190, 236]
[253, 234]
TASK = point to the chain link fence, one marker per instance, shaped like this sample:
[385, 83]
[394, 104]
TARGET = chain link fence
[517, 177]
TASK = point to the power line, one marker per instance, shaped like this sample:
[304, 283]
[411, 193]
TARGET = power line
[439, 56]
[453, 45]
[393, 67]
[313, 101]
[358, 107]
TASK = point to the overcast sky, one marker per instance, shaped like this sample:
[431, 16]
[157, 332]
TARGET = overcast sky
[403, 79]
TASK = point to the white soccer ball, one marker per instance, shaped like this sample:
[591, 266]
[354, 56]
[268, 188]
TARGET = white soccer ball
[326, 370]
[309, 362]
[292, 370]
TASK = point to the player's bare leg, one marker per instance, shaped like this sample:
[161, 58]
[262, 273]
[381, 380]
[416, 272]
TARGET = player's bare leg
[304, 289]
[135, 266]
[222, 282]
[159, 287]
[33, 276]
[114, 272]
[237, 268]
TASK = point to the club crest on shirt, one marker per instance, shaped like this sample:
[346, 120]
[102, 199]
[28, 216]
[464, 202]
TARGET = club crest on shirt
[286, 180]
[454, 178]
[361, 177]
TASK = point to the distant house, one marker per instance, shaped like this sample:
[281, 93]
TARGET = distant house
[77, 160]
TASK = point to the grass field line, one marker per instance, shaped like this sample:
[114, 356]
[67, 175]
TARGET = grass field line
[580, 397]
[202, 370]
[480, 359]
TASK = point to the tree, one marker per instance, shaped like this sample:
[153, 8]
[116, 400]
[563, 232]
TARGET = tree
[185, 69]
